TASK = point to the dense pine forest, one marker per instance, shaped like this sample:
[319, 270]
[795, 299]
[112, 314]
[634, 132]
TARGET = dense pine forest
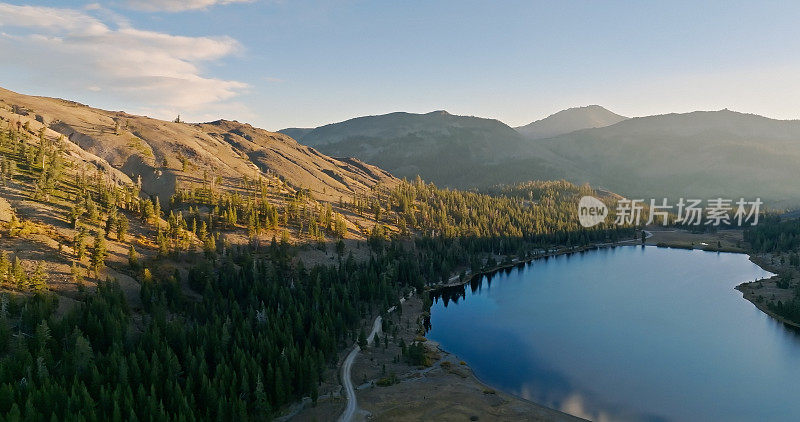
[261, 336]
[774, 235]
[215, 329]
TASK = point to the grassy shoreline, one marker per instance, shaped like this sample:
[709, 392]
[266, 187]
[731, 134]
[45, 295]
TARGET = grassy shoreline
[753, 291]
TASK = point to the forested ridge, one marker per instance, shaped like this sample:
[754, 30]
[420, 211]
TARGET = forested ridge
[245, 328]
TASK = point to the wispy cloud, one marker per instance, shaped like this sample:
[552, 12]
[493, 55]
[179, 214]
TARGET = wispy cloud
[150, 70]
[178, 5]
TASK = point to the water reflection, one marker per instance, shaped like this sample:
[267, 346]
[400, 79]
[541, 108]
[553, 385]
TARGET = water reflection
[630, 333]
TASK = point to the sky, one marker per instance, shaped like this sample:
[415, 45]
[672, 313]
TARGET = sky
[287, 63]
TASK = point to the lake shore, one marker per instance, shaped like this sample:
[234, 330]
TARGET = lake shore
[448, 389]
[455, 281]
[388, 388]
[762, 292]
[729, 241]
[757, 292]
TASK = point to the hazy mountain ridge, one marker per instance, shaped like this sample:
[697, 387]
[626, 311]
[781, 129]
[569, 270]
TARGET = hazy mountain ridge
[401, 124]
[440, 146]
[570, 120]
[296, 132]
[701, 154]
[698, 154]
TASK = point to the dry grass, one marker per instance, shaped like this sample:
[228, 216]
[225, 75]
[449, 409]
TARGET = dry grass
[723, 240]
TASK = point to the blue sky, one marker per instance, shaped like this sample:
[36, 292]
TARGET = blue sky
[306, 63]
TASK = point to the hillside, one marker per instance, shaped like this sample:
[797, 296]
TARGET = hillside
[700, 154]
[160, 192]
[438, 146]
[165, 154]
[279, 155]
[70, 173]
[570, 120]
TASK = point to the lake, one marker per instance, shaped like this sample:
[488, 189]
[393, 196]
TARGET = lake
[627, 333]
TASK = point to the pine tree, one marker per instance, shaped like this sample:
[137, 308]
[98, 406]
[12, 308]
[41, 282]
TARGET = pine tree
[163, 243]
[18, 273]
[77, 277]
[80, 246]
[210, 246]
[98, 258]
[202, 233]
[148, 211]
[157, 209]
[133, 259]
[75, 215]
[122, 228]
[92, 213]
[39, 277]
[340, 248]
[111, 223]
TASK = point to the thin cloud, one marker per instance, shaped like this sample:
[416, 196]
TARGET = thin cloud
[142, 69]
[178, 5]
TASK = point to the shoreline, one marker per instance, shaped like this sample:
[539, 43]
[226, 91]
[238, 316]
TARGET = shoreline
[558, 414]
[750, 292]
[449, 383]
[449, 389]
[549, 254]
[731, 243]
[475, 378]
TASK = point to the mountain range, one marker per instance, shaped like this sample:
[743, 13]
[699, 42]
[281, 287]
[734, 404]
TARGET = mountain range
[700, 154]
[703, 154]
[449, 150]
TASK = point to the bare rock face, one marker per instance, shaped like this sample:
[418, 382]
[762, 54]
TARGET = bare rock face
[6, 211]
[165, 154]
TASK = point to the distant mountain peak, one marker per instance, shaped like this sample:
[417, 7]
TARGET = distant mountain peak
[570, 120]
[588, 107]
[440, 113]
[437, 144]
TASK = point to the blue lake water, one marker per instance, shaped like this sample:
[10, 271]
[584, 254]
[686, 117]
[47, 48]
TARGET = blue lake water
[629, 333]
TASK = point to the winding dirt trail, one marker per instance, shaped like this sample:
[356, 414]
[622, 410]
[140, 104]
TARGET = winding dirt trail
[350, 392]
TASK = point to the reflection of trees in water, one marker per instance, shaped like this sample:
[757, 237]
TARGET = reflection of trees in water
[456, 293]
[448, 294]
